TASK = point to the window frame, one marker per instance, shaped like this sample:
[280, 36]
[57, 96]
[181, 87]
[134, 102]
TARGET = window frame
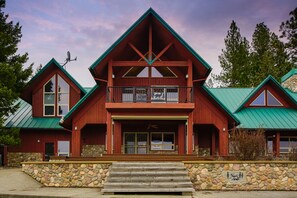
[56, 93]
[266, 104]
[162, 142]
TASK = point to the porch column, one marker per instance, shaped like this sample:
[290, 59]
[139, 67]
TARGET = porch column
[277, 144]
[213, 142]
[223, 141]
[117, 137]
[190, 134]
[75, 142]
[190, 81]
[181, 138]
[108, 133]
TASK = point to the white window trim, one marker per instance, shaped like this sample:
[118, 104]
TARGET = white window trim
[280, 104]
[165, 87]
[49, 105]
[162, 144]
[61, 104]
[259, 105]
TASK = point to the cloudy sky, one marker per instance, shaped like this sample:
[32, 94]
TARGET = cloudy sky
[87, 28]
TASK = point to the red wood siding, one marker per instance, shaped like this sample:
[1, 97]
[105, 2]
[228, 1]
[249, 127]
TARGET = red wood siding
[93, 134]
[29, 140]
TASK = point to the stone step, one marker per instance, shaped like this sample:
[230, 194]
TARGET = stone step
[152, 190]
[148, 179]
[149, 185]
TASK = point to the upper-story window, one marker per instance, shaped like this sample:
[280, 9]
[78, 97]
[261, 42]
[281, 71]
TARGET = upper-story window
[266, 98]
[56, 97]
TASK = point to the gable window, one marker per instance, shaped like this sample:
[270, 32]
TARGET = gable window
[266, 98]
[55, 97]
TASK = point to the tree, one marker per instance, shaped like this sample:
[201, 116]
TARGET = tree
[289, 31]
[13, 76]
[268, 56]
[234, 60]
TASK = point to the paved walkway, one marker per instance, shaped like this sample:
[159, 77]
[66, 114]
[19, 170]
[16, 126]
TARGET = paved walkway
[15, 183]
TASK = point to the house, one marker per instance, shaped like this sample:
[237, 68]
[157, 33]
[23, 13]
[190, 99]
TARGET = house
[149, 98]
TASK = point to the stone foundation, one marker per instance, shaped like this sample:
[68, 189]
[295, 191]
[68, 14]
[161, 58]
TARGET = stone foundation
[93, 150]
[14, 159]
[68, 174]
[243, 175]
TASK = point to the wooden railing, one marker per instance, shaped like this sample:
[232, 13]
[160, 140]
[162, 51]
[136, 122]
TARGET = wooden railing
[153, 94]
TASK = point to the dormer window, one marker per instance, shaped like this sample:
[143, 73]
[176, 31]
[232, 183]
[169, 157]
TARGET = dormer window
[266, 98]
[56, 98]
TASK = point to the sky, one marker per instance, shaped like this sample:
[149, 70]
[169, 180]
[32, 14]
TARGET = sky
[87, 28]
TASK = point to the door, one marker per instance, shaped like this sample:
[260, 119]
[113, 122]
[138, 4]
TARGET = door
[63, 148]
[49, 150]
[136, 142]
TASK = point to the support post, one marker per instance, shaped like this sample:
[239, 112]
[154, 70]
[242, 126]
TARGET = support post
[108, 133]
[181, 138]
[190, 134]
[76, 142]
[223, 141]
[277, 144]
[117, 136]
[189, 80]
[110, 80]
[213, 142]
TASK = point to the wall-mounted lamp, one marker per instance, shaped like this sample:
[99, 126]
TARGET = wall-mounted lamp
[224, 129]
[75, 128]
[38, 141]
[113, 76]
[187, 76]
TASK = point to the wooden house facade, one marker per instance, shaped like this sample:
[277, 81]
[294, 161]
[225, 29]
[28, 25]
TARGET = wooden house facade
[149, 98]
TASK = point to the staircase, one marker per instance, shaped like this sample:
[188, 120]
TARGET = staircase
[148, 177]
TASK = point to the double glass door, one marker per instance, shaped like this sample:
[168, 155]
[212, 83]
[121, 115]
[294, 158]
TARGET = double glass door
[136, 142]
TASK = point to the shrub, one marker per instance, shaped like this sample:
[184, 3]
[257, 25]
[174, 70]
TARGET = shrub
[293, 154]
[247, 145]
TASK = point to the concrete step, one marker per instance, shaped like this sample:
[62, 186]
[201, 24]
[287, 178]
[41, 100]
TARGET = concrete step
[149, 185]
[134, 177]
[148, 179]
[147, 173]
[153, 190]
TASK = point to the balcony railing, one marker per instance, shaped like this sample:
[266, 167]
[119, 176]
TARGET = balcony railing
[153, 94]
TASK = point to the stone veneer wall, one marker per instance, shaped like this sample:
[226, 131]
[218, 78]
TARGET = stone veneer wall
[291, 83]
[93, 150]
[68, 174]
[14, 159]
[218, 175]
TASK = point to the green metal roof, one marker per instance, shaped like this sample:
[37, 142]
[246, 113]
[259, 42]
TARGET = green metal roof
[53, 61]
[289, 74]
[149, 11]
[268, 118]
[221, 104]
[22, 118]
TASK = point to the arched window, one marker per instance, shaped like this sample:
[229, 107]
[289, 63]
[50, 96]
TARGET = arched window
[55, 98]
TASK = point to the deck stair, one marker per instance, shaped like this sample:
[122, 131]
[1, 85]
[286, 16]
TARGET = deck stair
[148, 177]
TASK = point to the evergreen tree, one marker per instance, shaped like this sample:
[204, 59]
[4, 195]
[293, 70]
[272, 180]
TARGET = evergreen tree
[289, 31]
[13, 76]
[234, 60]
[268, 56]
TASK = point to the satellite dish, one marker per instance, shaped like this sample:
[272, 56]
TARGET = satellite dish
[68, 59]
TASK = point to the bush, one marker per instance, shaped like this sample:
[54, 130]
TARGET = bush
[293, 154]
[247, 145]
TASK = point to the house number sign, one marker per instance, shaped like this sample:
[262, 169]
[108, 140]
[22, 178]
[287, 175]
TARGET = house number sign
[235, 176]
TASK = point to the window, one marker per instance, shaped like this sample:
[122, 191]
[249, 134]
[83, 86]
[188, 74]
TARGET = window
[266, 98]
[269, 145]
[162, 141]
[49, 97]
[164, 94]
[55, 98]
[287, 144]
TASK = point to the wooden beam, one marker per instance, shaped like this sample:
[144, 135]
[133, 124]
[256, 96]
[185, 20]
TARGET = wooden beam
[150, 52]
[102, 80]
[162, 52]
[154, 64]
[199, 80]
[138, 52]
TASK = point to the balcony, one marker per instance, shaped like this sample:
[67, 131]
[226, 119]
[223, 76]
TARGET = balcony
[153, 94]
